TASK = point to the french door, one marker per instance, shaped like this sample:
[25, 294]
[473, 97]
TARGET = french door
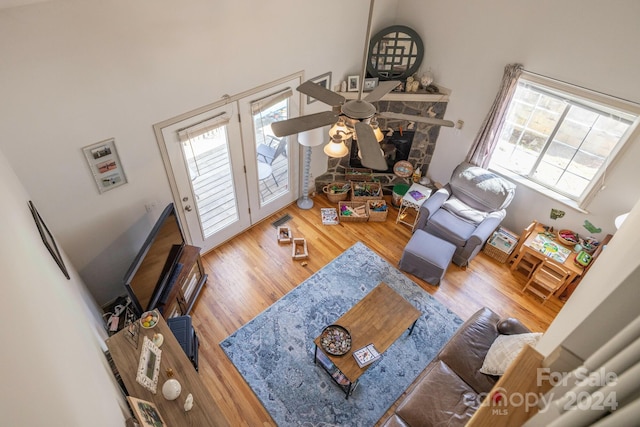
[226, 168]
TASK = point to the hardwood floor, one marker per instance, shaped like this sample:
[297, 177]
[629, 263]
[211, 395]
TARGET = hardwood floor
[252, 271]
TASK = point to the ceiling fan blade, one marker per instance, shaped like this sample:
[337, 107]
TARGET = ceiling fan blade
[370, 151]
[417, 119]
[303, 123]
[381, 90]
[320, 93]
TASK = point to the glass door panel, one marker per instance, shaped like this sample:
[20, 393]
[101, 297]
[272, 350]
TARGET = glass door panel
[209, 165]
[272, 162]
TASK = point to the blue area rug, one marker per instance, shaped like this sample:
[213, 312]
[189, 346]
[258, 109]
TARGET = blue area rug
[274, 351]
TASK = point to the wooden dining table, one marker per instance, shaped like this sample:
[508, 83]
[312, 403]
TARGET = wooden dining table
[545, 245]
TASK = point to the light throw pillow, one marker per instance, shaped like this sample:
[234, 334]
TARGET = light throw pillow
[463, 211]
[504, 350]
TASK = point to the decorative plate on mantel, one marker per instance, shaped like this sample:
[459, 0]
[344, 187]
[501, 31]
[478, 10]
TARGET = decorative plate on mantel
[403, 169]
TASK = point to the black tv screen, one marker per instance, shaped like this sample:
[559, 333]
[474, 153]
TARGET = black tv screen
[152, 267]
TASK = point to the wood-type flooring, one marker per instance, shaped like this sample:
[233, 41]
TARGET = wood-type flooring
[252, 271]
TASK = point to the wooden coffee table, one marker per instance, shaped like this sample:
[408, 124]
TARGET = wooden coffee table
[380, 318]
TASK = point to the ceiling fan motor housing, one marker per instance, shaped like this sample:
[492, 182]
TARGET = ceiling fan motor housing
[358, 111]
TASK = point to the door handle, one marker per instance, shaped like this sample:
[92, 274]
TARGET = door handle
[188, 208]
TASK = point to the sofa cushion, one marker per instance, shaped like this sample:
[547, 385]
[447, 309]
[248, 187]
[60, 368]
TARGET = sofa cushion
[440, 398]
[504, 350]
[481, 189]
[395, 421]
[466, 350]
[510, 326]
[445, 225]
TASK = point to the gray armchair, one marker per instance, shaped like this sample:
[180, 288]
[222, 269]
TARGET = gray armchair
[467, 210]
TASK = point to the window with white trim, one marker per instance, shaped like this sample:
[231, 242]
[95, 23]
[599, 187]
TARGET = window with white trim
[562, 137]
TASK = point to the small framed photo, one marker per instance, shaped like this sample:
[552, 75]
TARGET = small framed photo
[323, 80]
[146, 412]
[353, 83]
[149, 365]
[105, 165]
[370, 84]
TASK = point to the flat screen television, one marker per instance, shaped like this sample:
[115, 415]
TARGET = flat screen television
[149, 277]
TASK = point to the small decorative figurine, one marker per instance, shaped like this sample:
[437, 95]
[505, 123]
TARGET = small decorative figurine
[426, 79]
[188, 403]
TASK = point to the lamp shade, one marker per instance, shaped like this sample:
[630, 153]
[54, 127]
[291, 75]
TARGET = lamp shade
[376, 130]
[336, 147]
[620, 219]
[311, 138]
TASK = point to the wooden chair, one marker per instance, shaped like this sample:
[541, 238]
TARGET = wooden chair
[526, 262]
[546, 279]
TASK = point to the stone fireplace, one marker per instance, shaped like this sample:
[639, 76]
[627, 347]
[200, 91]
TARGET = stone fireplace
[421, 139]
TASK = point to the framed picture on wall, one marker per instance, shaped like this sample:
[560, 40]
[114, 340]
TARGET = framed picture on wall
[323, 80]
[353, 83]
[105, 165]
[47, 239]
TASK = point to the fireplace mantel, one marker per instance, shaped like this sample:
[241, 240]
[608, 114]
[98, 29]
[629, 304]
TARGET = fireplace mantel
[424, 141]
[420, 96]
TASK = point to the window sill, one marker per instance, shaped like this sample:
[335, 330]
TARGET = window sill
[538, 188]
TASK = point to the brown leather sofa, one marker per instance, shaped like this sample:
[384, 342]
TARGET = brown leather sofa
[453, 387]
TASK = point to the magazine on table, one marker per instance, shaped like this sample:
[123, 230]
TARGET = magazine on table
[366, 355]
[416, 195]
[329, 216]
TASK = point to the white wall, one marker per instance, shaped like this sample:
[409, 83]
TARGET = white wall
[589, 43]
[78, 72]
[53, 371]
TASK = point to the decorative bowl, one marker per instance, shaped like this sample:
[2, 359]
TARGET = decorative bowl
[567, 237]
[335, 340]
[149, 319]
[590, 245]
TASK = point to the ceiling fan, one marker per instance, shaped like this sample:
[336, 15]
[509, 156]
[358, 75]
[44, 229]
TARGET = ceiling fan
[356, 114]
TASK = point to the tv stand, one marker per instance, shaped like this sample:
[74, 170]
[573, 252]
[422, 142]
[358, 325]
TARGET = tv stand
[187, 281]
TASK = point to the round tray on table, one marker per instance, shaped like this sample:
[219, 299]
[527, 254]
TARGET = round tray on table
[335, 340]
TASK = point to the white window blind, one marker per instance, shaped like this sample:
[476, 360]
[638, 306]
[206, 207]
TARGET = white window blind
[269, 101]
[202, 127]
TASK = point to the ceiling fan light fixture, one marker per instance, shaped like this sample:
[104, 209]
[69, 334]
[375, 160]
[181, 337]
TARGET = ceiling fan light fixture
[336, 147]
[376, 130]
[340, 126]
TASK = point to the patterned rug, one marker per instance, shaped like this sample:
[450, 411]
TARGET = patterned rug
[274, 351]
